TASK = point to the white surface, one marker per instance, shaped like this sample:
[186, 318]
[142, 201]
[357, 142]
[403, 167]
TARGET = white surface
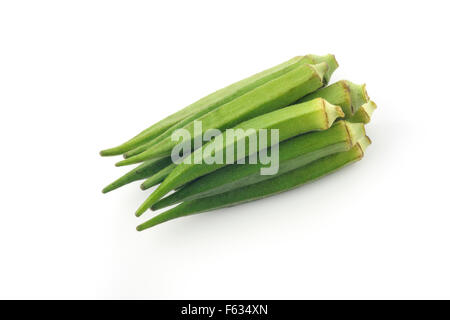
[79, 76]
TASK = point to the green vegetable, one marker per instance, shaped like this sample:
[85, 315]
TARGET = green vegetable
[272, 95]
[278, 184]
[364, 113]
[158, 177]
[293, 153]
[311, 59]
[145, 170]
[347, 95]
[291, 121]
[219, 98]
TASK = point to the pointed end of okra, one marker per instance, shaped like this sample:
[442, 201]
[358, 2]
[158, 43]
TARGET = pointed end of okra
[150, 182]
[115, 185]
[107, 189]
[111, 152]
[140, 211]
[147, 155]
[156, 195]
[173, 213]
[356, 131]
[332, 112]
[134, 152]
[128, 161]
[150, 201]
[148, 224]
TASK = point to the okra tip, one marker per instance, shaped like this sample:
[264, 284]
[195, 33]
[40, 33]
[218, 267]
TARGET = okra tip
[107, 189]
[144, 206]
[171, 214]
[125, 162]
[146, 225]
[151, 182]
[110, 152]
[152, 199]
[113, 186]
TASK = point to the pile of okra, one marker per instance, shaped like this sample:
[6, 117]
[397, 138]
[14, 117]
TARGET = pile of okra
[320, 130]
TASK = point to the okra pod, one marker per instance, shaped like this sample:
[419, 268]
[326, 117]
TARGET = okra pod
[347, 95]
[293, 153]
[291, 121]
[144, 170]
[219, 98]
[364, 113]
[158, 177]
[268, 97]
[308, 59]
[284, 182]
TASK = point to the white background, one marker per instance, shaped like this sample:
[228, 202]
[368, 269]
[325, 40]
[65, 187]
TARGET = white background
[79, 76]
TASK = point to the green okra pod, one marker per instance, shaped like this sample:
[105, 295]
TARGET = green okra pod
[278, 184]
[158, 177]
[268, 97]
[144, 170]
[291, 121]
[347, 95]
[364, 113]
[293, 153]
[308, 59]
[219, 98]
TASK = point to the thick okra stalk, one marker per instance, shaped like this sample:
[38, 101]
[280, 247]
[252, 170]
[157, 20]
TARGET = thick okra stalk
[145, 170]
[290, 121]
[293, 153]
[308, 59]
[347, 95]
[364, 113]
[271, 96]
[220, 97]
[284, 182]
